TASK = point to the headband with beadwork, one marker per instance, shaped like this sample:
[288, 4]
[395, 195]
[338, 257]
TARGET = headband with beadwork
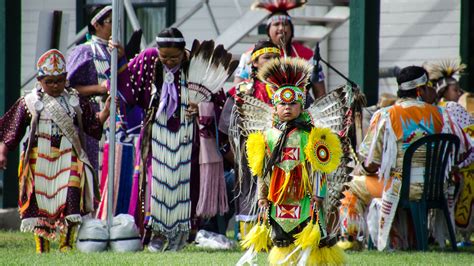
[101, 13]
[444, 83]
[412, 84]
[51, 63]
[278, 18]
[289, 94]
[264, 50]
[169, 40]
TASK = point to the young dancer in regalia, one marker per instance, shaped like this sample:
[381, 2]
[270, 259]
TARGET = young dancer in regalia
[57, 183]
[291, 156]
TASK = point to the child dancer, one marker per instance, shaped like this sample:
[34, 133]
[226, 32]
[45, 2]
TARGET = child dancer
[291, 160]
[56, 179]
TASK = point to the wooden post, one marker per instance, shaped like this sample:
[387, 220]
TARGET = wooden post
[466, 44]
[364, 47]
[10, 56]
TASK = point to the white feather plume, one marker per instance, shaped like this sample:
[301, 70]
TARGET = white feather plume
[209, 67]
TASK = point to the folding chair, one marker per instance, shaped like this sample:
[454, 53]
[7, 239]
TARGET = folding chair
[439, 148]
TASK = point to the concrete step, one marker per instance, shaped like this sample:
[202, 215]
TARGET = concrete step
[9, 219]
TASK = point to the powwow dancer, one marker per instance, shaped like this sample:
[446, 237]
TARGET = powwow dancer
[447, 88]
[57, 183]
[280, 31]
[245, 197]
[391, 131]
[88, 66]
[291, 153]
[171, 88]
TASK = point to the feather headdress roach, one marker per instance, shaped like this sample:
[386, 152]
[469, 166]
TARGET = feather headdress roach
[281, 72]
[209, 68]
[446, 68]
[443, 72]
[278, 5]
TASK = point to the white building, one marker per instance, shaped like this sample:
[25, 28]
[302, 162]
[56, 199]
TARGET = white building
[411, 31]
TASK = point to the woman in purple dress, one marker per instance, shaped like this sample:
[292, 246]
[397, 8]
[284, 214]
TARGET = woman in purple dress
[169, 150]
[88, 66]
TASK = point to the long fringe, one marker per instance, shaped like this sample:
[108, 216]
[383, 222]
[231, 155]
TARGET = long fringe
[28, 224]
[212, 191]
[52, 168]
[170, 203]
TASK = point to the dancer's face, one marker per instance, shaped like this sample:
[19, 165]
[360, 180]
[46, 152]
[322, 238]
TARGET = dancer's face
[452, 93]
[53, 85]
[288, 111]
[171, 56]
[264, 58]
[280, 32]
[104, 30]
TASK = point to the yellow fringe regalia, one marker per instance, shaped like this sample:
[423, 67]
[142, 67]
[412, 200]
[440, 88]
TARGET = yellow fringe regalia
[321, 153]
[291, 160]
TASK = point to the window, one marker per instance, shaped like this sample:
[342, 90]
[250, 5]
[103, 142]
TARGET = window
[152, 19]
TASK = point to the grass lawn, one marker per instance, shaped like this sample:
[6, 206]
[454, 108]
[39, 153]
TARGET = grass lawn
[18, 248]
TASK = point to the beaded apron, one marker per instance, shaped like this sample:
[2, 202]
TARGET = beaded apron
[170, 203]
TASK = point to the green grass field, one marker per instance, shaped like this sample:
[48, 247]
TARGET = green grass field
[18, 248]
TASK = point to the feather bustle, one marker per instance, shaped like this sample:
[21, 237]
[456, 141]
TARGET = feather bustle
[209, 67]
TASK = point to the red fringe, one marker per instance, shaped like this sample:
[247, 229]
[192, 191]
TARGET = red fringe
[294, 190]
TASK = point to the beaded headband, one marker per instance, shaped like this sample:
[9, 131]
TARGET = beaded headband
[264, 50]
[278, 18]
[101, 13]
[412, 84]
[166, 39]
[51, 63]
[288, 94]
[443, 83]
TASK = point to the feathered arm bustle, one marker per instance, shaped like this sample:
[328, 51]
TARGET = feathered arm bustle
[256, 152]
